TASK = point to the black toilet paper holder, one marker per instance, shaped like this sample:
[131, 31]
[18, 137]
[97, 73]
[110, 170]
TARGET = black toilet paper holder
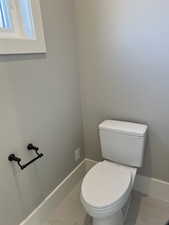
[30, 147]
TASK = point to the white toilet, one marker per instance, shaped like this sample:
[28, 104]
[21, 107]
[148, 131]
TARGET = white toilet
[106, 188]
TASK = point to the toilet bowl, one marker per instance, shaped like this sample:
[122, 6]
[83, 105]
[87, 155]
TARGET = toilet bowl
[105, 192]
[106, 188]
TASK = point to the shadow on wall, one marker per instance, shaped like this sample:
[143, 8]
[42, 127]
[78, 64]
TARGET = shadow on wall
[147, 161]
[22, 57]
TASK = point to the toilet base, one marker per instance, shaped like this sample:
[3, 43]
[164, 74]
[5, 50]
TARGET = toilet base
[115, 219]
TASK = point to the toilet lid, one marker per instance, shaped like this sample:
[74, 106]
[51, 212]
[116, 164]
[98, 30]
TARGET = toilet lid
[105, 184]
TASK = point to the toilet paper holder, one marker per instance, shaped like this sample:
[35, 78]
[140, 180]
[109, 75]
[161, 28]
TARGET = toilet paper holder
[30, 147]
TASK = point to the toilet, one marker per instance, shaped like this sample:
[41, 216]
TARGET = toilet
[106, 188]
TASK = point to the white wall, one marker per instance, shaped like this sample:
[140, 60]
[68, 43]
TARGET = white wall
[39, 103]
[123, 63]
[123, 52]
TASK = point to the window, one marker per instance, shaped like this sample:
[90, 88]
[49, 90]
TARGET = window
[21, 29]
[5, 19]
[26, 13]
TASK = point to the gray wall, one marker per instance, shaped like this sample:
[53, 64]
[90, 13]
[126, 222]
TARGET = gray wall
[40, 103]
[124, 52]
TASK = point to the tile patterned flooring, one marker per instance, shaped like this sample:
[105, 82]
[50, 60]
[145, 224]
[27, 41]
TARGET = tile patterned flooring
[143, 211]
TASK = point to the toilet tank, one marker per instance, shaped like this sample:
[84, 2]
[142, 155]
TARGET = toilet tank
[123, 142]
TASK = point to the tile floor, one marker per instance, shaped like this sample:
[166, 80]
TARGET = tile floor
[143, 211]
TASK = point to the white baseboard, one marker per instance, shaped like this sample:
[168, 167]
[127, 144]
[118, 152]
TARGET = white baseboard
[153, 187]
[89, 163]
[146, 185]
[42, 212]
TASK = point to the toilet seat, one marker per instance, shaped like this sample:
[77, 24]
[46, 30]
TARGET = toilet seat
[106, 187]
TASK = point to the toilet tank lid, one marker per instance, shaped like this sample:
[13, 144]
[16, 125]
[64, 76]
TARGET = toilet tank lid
[129, 128]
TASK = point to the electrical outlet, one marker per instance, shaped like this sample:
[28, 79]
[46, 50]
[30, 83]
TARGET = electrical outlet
[77, 154]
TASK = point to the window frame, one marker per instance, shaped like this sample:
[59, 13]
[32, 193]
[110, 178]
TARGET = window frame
[12, 43]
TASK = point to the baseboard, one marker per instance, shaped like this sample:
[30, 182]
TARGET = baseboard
[42, 212]
[89, 163]
[146, 185]
[153, 187]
